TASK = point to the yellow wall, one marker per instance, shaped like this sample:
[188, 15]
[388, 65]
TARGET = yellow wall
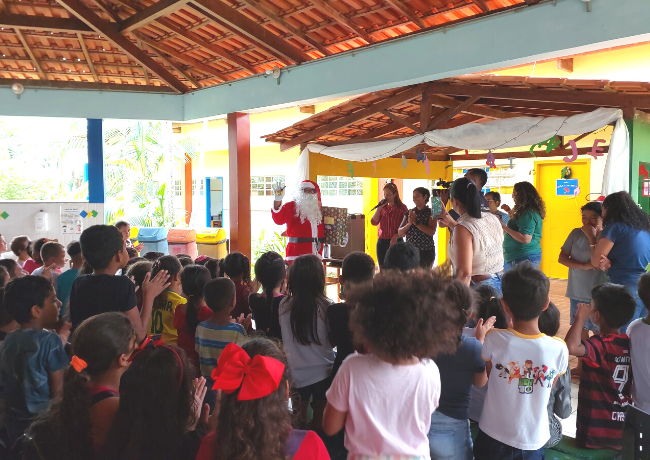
[626, 64]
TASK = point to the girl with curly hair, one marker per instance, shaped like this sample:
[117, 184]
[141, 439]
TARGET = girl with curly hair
[385, 399]
[523, 232]
[253, 422]
[623, 246]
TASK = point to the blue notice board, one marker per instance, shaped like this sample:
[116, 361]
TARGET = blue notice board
[565, 187]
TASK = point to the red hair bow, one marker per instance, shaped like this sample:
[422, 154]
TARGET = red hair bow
[257, 377]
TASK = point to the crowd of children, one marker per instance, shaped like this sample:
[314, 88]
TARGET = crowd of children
[165, 357]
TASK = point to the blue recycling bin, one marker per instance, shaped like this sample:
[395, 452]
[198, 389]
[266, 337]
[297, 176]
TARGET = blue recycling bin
[154, 239]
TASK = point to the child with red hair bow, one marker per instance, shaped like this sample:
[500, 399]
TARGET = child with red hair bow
[255, 384]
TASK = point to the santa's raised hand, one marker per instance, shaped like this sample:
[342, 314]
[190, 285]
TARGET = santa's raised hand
[278, 194]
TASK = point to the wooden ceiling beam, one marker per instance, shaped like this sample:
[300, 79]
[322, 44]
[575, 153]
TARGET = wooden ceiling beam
[400, 120]
[183, 57]
[218, 50]
[82, 12]
[514, 104]
[425, 111]
[481, 110]
[240, 24]
[27, 83]
[108, 10]
[389, 128]
[593, 98]
[174, 66]
[43, 23]
[265, 10]
[143, 17]
[28, 50]
[387, 104]
[2, 6]
[344, 20]
[445, 117]
[408, 12]
[89, 60]
[482, 4]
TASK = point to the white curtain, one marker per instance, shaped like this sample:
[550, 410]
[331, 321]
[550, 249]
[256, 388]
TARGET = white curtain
[497, 134]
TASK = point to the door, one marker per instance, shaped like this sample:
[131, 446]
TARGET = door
[562, 212]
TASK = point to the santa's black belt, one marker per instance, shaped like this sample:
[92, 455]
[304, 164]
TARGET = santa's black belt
[293, 239]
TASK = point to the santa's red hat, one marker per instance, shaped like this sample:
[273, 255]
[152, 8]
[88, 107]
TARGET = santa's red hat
[310, 184]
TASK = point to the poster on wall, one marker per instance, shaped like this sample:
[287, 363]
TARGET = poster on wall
[71, 221]
[565, 187]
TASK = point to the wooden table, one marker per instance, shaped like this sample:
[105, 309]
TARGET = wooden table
[335, 264]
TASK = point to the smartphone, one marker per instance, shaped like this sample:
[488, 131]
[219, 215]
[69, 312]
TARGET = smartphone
[436, 206]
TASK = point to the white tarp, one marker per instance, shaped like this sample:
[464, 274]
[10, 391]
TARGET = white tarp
[498, 134]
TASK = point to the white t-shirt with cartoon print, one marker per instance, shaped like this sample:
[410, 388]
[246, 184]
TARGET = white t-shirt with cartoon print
[523, 370]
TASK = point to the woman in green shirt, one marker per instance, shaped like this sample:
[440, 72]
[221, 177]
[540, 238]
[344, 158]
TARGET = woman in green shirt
[524, 229]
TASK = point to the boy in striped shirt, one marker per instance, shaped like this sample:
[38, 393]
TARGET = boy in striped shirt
[606, 377]
[213, 335]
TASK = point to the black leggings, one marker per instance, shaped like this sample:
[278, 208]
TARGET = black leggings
[382, 248]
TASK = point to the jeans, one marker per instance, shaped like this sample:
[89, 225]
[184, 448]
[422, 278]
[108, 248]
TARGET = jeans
[574, 309]
[449, 439]
[536, 259]
[382, 248]
[641, 311]
[487, 448]
[494, 282]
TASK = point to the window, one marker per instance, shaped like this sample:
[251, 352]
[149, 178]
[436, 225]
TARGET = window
[200, 187]
[262, 185]
[340, 186]
[178, 188]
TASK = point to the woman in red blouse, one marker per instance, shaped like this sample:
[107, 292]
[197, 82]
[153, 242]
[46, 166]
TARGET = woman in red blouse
[388, 216]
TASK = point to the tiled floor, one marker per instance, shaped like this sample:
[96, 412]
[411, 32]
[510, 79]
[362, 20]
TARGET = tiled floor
[558, 288]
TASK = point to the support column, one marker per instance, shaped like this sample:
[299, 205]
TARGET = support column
[95, 141]
[187, 189]
[239, 168]
[638, 125]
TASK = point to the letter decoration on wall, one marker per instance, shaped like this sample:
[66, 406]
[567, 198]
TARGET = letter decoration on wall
[491, 161]
[550, 145]
[351, 170]
[404, 162]
[595, 151]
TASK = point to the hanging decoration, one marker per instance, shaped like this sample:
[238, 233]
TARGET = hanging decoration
[565, 173]
[426, 165]
[351, 170]
[643, 172]
[448, 166]
[576, 192]
[491, 160]
[597, 151]
[421, 156]
[466, 152]
[550, 145]
[511, 159]
[404, 162]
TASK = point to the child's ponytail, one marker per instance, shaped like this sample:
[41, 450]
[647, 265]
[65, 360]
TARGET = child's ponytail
[237, 264]
[193, 279]
[64, 431]
[270, 271]
[465, 191]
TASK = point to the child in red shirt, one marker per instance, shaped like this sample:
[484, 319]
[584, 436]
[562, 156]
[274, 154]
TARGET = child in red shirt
[606, 378]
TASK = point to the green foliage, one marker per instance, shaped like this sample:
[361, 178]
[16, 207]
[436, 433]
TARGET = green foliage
[276, 243]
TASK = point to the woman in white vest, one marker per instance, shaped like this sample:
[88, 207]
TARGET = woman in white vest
[476, 246]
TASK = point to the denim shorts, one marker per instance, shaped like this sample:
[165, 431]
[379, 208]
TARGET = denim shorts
[449, 438]
[589, 326]
[494, 282]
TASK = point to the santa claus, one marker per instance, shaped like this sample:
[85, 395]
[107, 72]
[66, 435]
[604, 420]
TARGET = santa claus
[304, 219]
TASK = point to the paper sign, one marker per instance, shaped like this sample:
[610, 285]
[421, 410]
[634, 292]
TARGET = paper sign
[643, 172]
[576, 191]
[329, 220]
[404, 162]
[566, 187]
[71, 221]
[550, 144]
[574, 149]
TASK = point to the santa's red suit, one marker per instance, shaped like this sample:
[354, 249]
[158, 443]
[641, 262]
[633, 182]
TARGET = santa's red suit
[315, 231]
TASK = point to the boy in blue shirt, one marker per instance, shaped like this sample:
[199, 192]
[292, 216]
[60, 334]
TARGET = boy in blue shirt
[33, 359]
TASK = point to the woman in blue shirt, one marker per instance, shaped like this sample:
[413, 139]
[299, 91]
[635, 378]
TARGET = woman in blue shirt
[624, 245]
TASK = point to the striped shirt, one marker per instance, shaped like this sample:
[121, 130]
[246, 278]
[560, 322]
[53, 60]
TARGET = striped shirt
[605, 387]
[210, 341]
[389, 220]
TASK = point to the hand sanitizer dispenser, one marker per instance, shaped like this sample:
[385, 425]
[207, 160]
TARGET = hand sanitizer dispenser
[40, 221]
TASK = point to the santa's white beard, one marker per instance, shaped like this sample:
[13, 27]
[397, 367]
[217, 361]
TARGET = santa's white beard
[307, 207]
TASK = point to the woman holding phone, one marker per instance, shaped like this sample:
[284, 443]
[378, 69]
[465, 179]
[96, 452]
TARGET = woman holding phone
[388, 217]
[419, 226]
